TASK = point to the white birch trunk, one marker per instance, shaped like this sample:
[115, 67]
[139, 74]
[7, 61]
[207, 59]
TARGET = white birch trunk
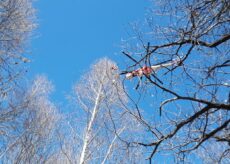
[111, 146]
[87, 136]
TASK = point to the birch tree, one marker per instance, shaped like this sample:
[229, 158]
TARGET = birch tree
[100, 122]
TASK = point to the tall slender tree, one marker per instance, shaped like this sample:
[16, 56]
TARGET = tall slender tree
[100, 121]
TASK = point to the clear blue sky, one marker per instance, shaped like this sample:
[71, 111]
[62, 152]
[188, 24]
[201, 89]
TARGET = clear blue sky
[72, 34]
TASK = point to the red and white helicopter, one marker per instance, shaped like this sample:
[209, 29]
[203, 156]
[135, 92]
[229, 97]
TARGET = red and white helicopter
[148, 70]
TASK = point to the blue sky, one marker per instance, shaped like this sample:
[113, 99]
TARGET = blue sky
[72, 34]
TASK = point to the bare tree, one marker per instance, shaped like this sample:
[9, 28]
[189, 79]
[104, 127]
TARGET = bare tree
[192, 95]
[32, 140]
[17, 20]
[97, 128]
